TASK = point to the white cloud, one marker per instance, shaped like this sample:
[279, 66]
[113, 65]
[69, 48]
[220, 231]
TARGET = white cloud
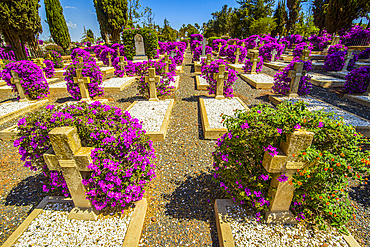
[71, 24]
[70, 7]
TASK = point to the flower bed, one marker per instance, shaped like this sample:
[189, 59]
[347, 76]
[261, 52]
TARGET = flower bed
[230, 53]
[249, 63]
[357, 80]
[49, 69]
[266, 49]
[56, 58]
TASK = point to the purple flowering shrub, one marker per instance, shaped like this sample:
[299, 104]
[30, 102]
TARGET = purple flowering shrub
[267, 48]
[49, 69]
[320, 41]
[194, 44]
[357, 80]
[121, 50]
[129, 68]
[334, 154]
[249, 63]
[365, 54]
[230, 53]
[298, 50]
[166, 79]
[232, 41]
[268, 39]
[216, 42]
[282, 81]
[334, 61]
[209, 70]
[336, 48]
[251, 43]
[31, 78]
[104, 54]
[162, 48]
[357, 32]
[122, 158]
[78, 52]
[7, 54]
[292, 40]
[56, 58]
[223, 49]
[198, 52]
[89, 69]
[196, 36]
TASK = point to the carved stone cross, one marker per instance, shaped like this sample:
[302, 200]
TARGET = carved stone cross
[122, 64]
[219, 47]
[221, 76]
[305, 54]
[204, 42]
[285, 162]
[209, 59]
[348, 57]
[80, 60]
[167, 61]
[72, 160]
[2, 65]
[82, 84]
[40, 62]
[237, 54]
[273, 55]
[257, 40]
[48, 57]
[17, 81]
[335, 40]
[254, 62]
[152, 79]
[118, 53]
[109, 59]
[296, 75]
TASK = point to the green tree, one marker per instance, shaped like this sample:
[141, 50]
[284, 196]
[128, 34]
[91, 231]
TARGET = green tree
[112, 17]
[294, 8]
[168, 33]
[306, 26]
[280, 19]
[191, 30]
[88, 35]
[222, 19]
[19, 24]
[263, 25]
[57, 24]
[318, 9]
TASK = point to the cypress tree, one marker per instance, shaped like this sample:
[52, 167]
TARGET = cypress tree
[318, 8]
[294, 7]
[279, 17]
[57, 24]
[112, 17]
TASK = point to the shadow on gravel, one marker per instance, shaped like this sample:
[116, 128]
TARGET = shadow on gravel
[360, 194]
[131, 99]
[64, 100]
[193, 198]
[200, 129]
[27, 192]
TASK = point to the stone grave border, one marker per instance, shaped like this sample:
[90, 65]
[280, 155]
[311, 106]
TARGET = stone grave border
[255, 84]
[357, 99]
[161, 134]
[199, 86]
[178, 72]
[326, 84]
[2, 83]
[133, 232]
[365, 130]
[274, 66]
[176, 86]
[208, 133]
[224, 232]
[197, 68]
[237, 69]
[122, 87]
[11, 115]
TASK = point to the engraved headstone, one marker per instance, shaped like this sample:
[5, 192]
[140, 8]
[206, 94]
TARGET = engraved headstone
[152, 79]
[17, 81]
[296, 76]
[139, 48]
[220, 77]
[82, 84]
[273, 55]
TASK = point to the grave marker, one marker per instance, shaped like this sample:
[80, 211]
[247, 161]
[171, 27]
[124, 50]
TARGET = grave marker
[285, 163]
[167, 61]
[17, 81]
[209, 59]
[204, 42]
[221, 76]
[118, 53]
[48, 57]
[109, 59]
[237, 54]
[72, 160]
[219, 47]
[122, 64]
[140, 49]
[296, 75]
[2, 65]
[82, 84]
[152, 79]
[305, 54]
[254, 62]
[273, 55]
[348, 57]
[257, 40]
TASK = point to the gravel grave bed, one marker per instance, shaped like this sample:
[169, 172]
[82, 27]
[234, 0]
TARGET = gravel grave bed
[237, 65]
[247, 231]
[317, 64]
[215, 108]
[151, 113]
[62, 84]
[321, 77]
[260, 78]
[105, 68]
[52, 228]
[116, 82]
[316, 105]
[6, 108]
[202, 81]
[278, 63]
[367, 98]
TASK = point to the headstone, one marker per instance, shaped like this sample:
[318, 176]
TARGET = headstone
[296, 75]
[254, 62]
[237, 54]
[348, 57]
[273, 55]
[17, 81]
[257, 40]
[122, 64]
[335, 40]
[209, 59]
[118, 53]
[2, 65]
[72, 160]
[285, 162]
[152, 79]
[305, 54]
[167, 61]
[109, 59]
[80, 60]
[204, 42]
[82, 84]
[139, 48]
[220, 77]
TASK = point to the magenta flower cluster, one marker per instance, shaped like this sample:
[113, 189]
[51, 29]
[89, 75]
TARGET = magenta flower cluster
[365, 54]
[282, 81]
[6, 53]
[216, 42]
[56, 58]
[31, 79]
[266, 51]
[357, 80]
[251, 42]
[230, 53]
[357, 32]
[335, 61]
[198, 52]
[121, 50]
[122, 158]
[104, 54]
[249, 63]
[320, 42]
[299, 48]
[292, 40]
[49, 69]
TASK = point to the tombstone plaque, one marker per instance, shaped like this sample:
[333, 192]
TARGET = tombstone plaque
[152, 79]
[273, 55]
[139, 48]
[296, 76]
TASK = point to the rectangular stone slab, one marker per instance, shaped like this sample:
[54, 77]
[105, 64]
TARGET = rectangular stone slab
[197, 68]
[325, 81]
[255, 84]
[361, 99]
[9, 134]
[237, 67]
[276, 65]
[200, 86]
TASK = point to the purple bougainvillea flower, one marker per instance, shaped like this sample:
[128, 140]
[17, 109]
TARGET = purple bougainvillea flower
[282, 178]
[279, 130]
[297, 127]
[320, 125]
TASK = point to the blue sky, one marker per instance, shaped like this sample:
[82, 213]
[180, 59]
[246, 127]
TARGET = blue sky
[80, 13]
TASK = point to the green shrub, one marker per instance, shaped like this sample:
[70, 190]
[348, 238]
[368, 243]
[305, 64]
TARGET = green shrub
[150, 42]
[211, 39]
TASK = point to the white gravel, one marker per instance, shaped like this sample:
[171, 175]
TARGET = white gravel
[62, 84]
[278, 63]
[247, 231]
[317, 64]
[178, 68]
[151, 113]
[321, 77]
[7, 108]
[105, 68]
[202, 81]
[116, 82]
[316, 105]
[52, 228]
[238, 66]
[215, 108]
[260, 78]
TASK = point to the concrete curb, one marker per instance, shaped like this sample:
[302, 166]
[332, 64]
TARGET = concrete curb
[199, 86]
[255, 84]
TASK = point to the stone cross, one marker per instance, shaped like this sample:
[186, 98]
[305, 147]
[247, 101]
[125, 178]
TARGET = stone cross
[237, 54]
[17, 81]
[152, 79]
[109, 59]
[40, 62]
[219, 47]
[209, 59]
[257, 40]
[221, 76]
[80, 60]
[118, 53]
[335, 40]
[285, 162]
[167, 61]
[204, 42]
[296, 75]
[2, 65]
[273, 55]
[254, 62]
[305, 54]
[48, 57]
[72, 160]
[348, 57]
[122, 64]
[82, 84]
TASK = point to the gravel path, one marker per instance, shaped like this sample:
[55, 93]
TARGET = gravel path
[7, 108]
[181, 197]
